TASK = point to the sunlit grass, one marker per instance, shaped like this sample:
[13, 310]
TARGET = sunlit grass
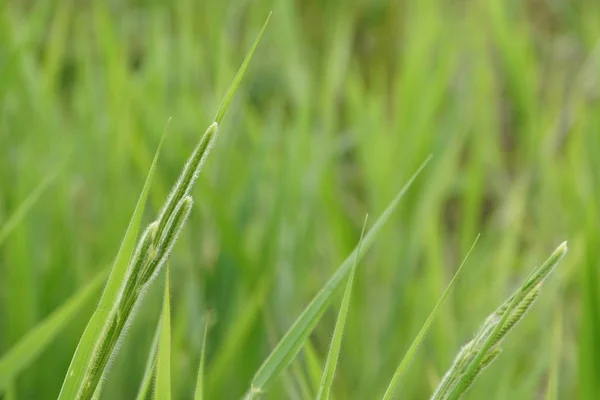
[340, 105]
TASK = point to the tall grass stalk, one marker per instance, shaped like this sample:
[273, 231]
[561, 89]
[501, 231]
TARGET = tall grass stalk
[131, 276]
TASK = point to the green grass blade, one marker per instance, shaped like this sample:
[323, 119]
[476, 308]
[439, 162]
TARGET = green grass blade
[199, 393]
[290, 344]
[162, 384]
[336, 340]
[239, 75]
[35, 342]
[21, 212]
[77, 376]
[149, 369]
[389, 393]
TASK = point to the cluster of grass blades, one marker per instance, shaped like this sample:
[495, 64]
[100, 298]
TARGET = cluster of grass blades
[138, 263]
[136, 267]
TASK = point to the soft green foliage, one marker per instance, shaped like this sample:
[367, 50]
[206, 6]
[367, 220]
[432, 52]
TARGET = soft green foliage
[341, 103]
[480, 352]
[291, 343]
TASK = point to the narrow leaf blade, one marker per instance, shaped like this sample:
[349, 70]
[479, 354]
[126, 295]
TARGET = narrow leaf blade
[26, 205]
[290, 344]
[336, 339]
[239, 75]
[37, 340]
[199, 393]
[419, 338]
[150, 364]
[82, 359]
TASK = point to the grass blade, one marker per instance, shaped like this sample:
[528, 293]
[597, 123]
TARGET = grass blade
[239, 75]
[336, 340]
[149, 369]
[21, 212]
[417, 341]
[199, 393]
[78, 377]
[290, 344]
[19, 356]
[162, 384]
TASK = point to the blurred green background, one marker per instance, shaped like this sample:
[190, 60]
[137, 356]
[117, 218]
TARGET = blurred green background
[342, 102]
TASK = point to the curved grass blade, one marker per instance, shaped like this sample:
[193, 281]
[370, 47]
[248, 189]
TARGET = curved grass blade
[149, 369]
[336, 339]
[162, 381]
[417, 341]
[239, 75]
[21, 212]
[292, 341]
[199, 393]
[35, 342]
[77, 377]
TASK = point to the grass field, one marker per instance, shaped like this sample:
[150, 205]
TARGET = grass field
[341, 103]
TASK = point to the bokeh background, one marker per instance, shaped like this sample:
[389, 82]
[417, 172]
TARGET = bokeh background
[342, 102]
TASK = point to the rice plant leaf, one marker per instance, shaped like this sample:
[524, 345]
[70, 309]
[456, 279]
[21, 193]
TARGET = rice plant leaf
[77, 376]
[26, 205]
[291, 343]
[150, 364]
[314, 365]
[26, 350]
[389, 393]
[336, 340]
[162, 384]
[239, 75]
[199, 393]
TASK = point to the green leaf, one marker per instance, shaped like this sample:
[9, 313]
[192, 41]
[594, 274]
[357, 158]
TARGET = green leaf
[199, 394]
[78, 374]
[239, 75]
[336, 340]
[417, 341]
[162, 383]
[290, 344]
[21, 212]
[149, 369]
[26, 350]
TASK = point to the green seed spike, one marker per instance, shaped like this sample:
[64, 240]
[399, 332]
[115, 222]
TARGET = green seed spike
[488, 340]
[140, 257]
[489, 358]
[168, 239]
[187, 177]
[518, 313]
[454, 372]
[538, 275]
